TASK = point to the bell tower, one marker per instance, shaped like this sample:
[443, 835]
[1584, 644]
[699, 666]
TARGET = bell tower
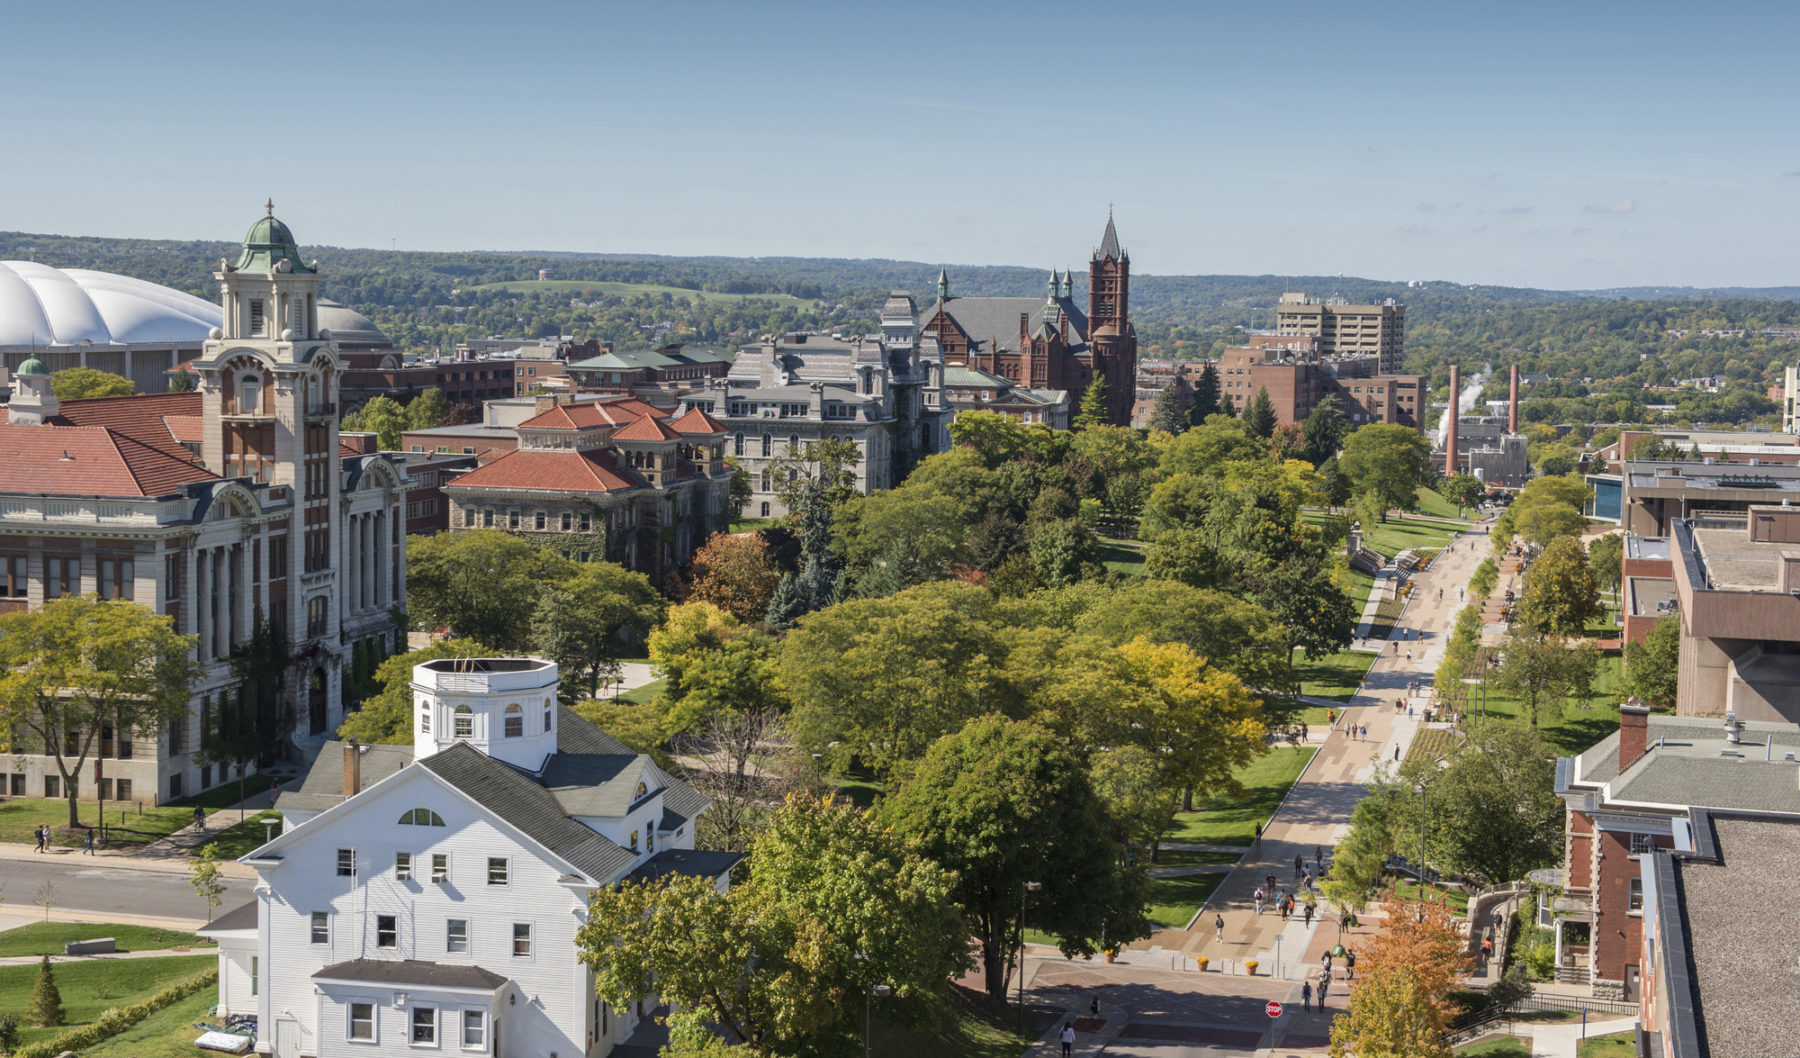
[1111, 337]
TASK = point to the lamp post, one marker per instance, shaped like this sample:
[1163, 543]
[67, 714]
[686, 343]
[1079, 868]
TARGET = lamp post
[1028, 887]
[874, 990]
[1422, 788]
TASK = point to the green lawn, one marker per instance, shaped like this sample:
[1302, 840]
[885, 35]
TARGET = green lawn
[646, 694]
[1226, 819]
[48, 938]
[1505, 1047]
[1408, 889]
[89, 988]
[1180, 858]
[168, 1033]
[1173, 901]
[860, 786]
[128, 825]
[630, 290]
[1431, 743]
[1574, 727]
[1361, 584]
[750, 525]
[971, 1026]
[1122, 556]
[1606, 626]
[1618, 1045]
[1435, 506]
[1387, 614]
[1397, 534]
[1334, 676]
[241, 838]
[227, 794]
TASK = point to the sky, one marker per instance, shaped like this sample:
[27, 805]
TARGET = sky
[1562, 145]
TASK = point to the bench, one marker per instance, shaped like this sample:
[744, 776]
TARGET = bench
[98, 946]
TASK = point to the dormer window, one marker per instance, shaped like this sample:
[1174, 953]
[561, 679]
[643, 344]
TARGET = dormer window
[642, 789]
[463, 722]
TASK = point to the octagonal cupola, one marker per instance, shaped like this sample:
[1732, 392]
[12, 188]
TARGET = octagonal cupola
[504, 707]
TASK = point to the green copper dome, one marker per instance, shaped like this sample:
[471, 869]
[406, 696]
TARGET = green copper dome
[33, 368]
[268, 243]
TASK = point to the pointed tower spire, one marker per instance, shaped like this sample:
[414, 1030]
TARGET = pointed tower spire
[1055, 284]
[1068, 284]
[943, 284]
[1109, 242]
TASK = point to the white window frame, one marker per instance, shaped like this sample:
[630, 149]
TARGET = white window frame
[530, 947]
[505, 871]
[374, 1035]
[321, 923]
[465, 949]
[395, 919]
[346, 858]
[481, 1027]
[412, 1027]
[403, 866]
[255, 975]
[440, 868]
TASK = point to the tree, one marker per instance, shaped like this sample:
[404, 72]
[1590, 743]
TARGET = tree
[1002, 803]
[812, 490]
[1423, 937]
[427, 410]
[183, 381]
[746, 765]
[386, 716]
[77, 666]
[1560, 596]
[1092, 411]
[1239, 637]
[1388, 461]
[205, 876]
[1390, 1016]
[1227, 406]
[1205, 402]
[1541, 523]
[1333, 483]
[1324, 430]
[1168, 415]
[1491, 811]
[1606, 557]
[1063, 551]
[1544, 672]
[833, 906]
[582, 621]
[482, 584]
[1652, 667]
[382, 416]
[1483, 580]
[86, 383]
[736, 573]
[713, 666]
[249, 721]
[1464, 490]
[1513, 987]
[741, 489]
[1140, 802]
[1261, 414]
[826, 469]
[45, 1009]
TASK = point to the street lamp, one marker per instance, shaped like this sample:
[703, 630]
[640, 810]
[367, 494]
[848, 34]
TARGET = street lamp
[1422, 788]
[874, 990]
[1028, 887]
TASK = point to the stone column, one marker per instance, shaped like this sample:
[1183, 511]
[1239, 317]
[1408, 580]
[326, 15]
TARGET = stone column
[202, 604]
[365, 532]
[222, 618]
[347, 577]
[378, 536]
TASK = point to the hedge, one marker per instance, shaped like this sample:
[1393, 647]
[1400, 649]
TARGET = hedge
[112, 1022]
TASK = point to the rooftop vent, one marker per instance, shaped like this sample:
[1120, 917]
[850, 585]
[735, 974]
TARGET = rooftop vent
[1734, 728]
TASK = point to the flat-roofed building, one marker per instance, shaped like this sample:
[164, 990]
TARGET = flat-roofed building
[1344, 329]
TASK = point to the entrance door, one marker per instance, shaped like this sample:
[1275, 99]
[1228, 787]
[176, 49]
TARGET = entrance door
[315, 702]
[287, 1039]
[1631, 984]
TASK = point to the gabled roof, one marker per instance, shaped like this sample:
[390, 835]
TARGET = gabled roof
[624, 360]
[964, 375]
[692, 863]
[323, 785]
[589, 415]
[91, 461]
[647, 428]
[189, 429]
[587, 470]
[139, 417]
[600, 784]
[993, 323]
[696, 422]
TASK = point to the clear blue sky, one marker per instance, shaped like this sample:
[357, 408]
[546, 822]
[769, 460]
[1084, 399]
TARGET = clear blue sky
[1571, 144]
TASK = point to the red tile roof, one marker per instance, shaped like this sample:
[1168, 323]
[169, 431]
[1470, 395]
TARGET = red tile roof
[586, 416]
[140, 418]
[90, 461]
[647, 429]
[635, 406]
[697, 421]
[188, 429]
[592, 470]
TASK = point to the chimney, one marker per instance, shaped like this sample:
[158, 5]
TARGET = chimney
[542, 403]
[1455, 414]
[1512, 403]
[1634, 733]
[352, 768]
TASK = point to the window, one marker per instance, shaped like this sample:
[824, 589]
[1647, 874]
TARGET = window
[463, 722]
[424, 1025]
[321, 928]
[255, 975]
[346, 863]
[249, 394]
[256, 316]
[116, 579]
[766, 441]
[474, 1030]
[456, 935]
[496, 870]
[1635, 900]
[403, 866]
[124, 789]
[765, 508]
[362, 1021]
[547, 714]
[568, 521]
[12, 576]
[515, 721]
[425, 720]
[634, 841]
[538, 522]
[440, 868]
[1642, 843]
[61, 577]
[387, 932]
[642, 789]
[737, 445]
[421, 817]
[522, 940]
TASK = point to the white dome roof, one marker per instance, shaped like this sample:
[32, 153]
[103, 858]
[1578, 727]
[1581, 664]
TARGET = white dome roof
[40, 305]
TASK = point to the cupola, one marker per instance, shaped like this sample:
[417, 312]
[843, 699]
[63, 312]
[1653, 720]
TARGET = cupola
[504, 707]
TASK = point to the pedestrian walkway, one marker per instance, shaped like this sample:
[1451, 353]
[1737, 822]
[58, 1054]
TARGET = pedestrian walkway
[1561, 1041]
[1316, 811]
[160, 953]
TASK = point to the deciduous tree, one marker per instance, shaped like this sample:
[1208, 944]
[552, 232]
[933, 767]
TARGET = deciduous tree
[84, 383]
[1390, 1016]
[1652, 667]
[427, 410]
[387, 715]
[1606, 557]
[1560, 595]
[1464, 490]
[1388, 461]
[482, 584]
[78, 665]
[1491, 811]
[382, 416]
[738, 574]
[1544, 672]
[583, 621]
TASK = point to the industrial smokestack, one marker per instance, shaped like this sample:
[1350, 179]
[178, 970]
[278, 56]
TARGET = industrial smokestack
[1512, 405]
[1455, 415]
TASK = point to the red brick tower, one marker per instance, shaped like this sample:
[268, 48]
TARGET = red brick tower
[1111, 337]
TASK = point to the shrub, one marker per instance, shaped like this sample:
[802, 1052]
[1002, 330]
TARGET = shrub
[112, 1022]
[9, 1033]
[45, 1008]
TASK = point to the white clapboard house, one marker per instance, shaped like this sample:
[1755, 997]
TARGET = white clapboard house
[425, 899]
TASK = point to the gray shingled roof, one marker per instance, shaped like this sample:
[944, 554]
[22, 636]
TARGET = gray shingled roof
[514, 797]
[240, 917]
[323, 785]
[993, 323]
[412, 972]
[1683, 766]
[689, 862]
[592, 784]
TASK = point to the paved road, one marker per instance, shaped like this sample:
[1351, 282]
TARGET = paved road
[91, 890]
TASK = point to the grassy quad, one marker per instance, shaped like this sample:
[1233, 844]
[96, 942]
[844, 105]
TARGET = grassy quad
[168, 1033]
[48, 938]
[1577, 725]
[1227, 819]
[91, 988]
[1618, 1045]
[128, 825]
[1335, 676]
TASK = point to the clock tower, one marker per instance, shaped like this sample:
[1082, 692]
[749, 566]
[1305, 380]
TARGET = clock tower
[1111, 337]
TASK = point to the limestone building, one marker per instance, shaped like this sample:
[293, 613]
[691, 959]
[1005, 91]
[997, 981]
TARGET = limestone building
[220, 507]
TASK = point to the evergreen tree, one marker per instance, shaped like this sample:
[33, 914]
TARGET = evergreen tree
[183, 381]
[1168, 415]
[815, 586]
[45, 1009]
[1093, 405]
[1227, 406]
[1325, 429]
[1261, 416]
[1206, 396]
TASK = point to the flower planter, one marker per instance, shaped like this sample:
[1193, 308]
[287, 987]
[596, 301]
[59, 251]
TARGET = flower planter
[1250, 967]
[1201, 962]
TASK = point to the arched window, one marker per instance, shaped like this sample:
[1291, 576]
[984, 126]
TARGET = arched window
[793, 444]
[463, 722]
[547, 707]
[249, 394]
[421, 817]
[425, 721]
[515, 721]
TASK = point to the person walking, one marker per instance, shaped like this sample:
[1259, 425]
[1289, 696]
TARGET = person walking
[1068, 1039]
[87, 844]
[37, 836]
[1308, 914]
[1299, 864]
[1324, 987]
[1306, 997]
[1326, 967]
[1259, 900]
[200, 819]
[1349, 966]
[1219, 928]
[1396, 752]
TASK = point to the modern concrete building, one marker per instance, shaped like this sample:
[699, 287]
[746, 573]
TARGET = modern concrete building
[1657, 493]
[1737, 590]
[1344, 329]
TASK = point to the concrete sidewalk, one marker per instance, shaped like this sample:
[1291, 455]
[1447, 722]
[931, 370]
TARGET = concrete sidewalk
[1561, 1041]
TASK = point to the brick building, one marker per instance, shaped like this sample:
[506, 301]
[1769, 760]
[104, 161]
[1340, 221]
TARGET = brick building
[1299, 375]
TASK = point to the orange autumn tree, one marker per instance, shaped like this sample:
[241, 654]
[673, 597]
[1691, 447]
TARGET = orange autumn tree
[1391, 1016]
[735, 573]
[1422, 938]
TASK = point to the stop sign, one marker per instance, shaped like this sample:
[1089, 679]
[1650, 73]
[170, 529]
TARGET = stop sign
[1274, 1009]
